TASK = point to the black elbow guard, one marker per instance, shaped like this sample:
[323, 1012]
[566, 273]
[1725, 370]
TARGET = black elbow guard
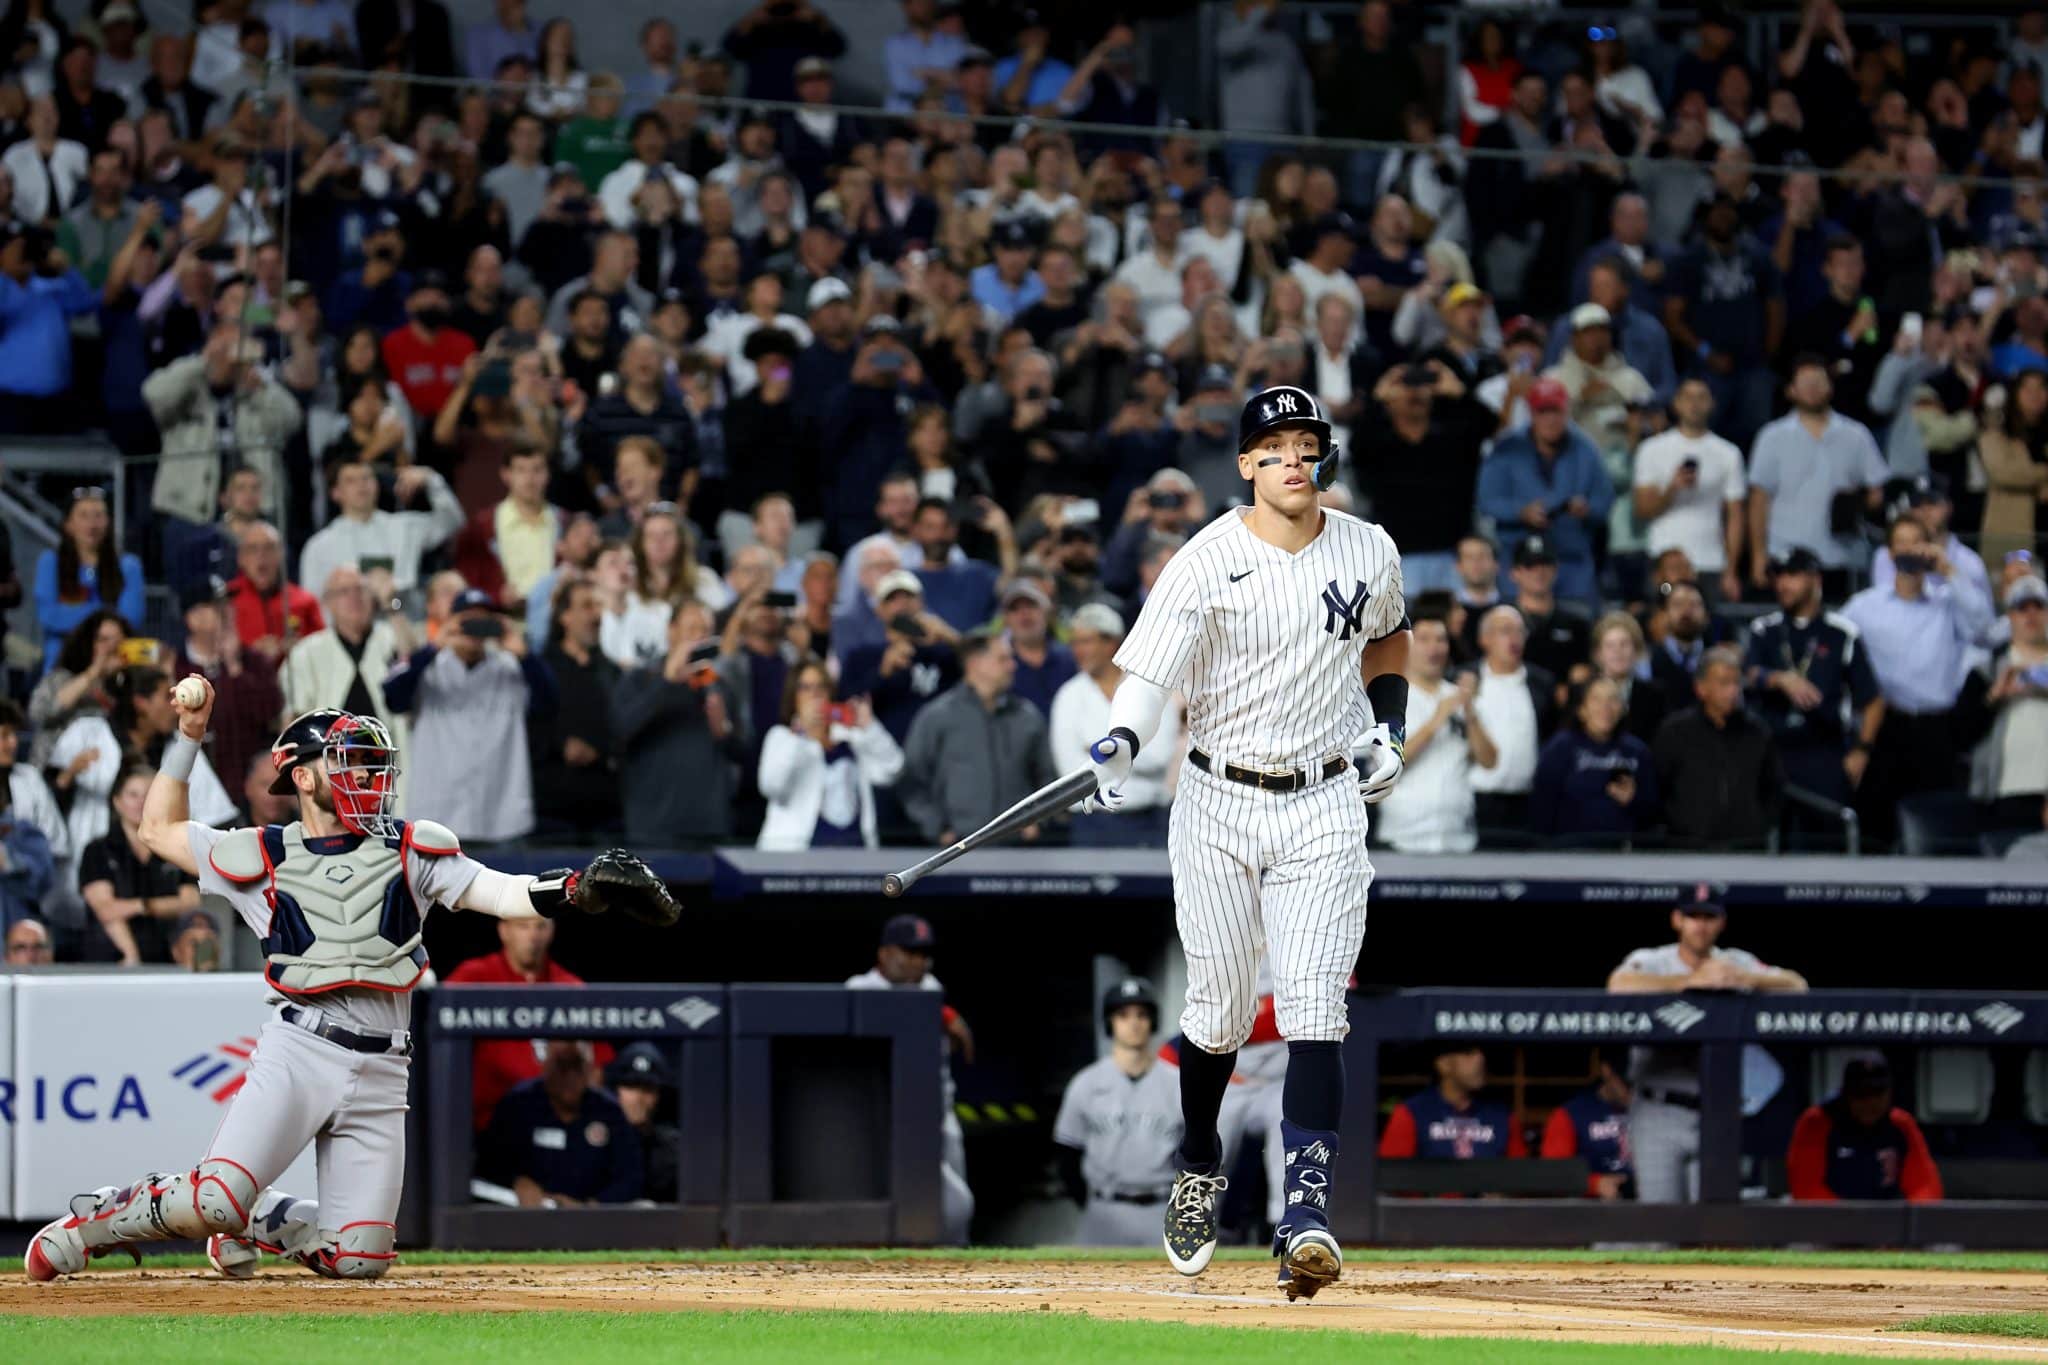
[1388, 694]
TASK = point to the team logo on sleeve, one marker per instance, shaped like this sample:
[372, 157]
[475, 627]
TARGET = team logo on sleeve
[1344, 616]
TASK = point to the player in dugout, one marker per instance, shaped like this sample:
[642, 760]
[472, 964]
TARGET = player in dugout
[1593, 1125]
[1449, 1120]
[1857, 1145]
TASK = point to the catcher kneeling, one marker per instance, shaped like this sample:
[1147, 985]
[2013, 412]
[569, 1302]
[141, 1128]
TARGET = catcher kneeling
[338, 897]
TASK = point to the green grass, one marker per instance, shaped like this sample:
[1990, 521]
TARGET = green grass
[1981, 1324]
[747, 1338]
[1977, 1261]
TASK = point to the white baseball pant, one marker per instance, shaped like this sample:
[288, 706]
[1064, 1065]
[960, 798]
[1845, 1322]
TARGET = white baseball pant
[1664, 1145]
[1261, 871]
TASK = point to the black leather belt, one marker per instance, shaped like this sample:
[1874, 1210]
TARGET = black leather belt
[1292, 780]
[1677, 1097]
[376, 1044]
[1142, 1200]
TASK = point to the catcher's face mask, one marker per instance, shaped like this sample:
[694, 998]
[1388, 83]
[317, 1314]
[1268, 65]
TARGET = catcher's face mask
[362, 770]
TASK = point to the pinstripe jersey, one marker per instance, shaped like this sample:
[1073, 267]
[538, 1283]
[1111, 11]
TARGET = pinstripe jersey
[1266, 644]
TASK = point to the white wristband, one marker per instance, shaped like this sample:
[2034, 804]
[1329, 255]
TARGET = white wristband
[179, 756]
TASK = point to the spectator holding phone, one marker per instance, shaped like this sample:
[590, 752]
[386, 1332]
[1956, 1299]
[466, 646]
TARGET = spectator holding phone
[673, 719]
[821, 765]
[1595, 784]
[85, 573]
[469, 695]
[575, 776]
[913, 662]
[1689, 491]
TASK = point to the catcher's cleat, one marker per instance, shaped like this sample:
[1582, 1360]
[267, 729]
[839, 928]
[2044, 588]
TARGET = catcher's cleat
[235, 1258]
[1313, 1260]
[1191, 1220]
[59, 1246]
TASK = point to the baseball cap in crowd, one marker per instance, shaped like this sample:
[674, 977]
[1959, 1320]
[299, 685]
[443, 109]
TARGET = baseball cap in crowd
[813, 66]
[191, 919]
[563, 170]
[909, 931]
[1534, 550]
[974, 56]
[120, 12]
[2026, 589]
[1338, 223]
[428, 279]
[1590, 315]
[831, 289]
[474, 599]
[383, 221]
[638, 1064]
[1462, 293]
[1547, 395]
[671, 297]
[1215, 377]
[881, 324]
[1798, 559]
[1929, 488]
[1518, 327]
[201, 591]
[294, 290]
[895, 581]
[1024, 590]
[1866, 1073]
[1155, 362]
[1012, 232]
[1101, 619]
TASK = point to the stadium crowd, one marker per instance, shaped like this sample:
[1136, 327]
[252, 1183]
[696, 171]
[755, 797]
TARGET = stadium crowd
[592, 427]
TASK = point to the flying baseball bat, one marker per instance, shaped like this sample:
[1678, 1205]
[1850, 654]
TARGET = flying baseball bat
[1055, 796]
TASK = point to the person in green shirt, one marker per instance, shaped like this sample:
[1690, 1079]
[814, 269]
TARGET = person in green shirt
[594, 142]
[93, 232]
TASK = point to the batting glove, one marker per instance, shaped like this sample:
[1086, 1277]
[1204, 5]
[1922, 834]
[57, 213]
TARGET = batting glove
[1379, 764]
[1113, 756]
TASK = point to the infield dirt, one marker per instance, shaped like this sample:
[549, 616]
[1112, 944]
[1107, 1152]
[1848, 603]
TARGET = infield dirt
[1796, 1309]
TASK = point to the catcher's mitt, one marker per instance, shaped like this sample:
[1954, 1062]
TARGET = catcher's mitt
[617, 880]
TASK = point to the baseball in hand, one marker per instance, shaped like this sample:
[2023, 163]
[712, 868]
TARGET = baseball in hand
[190, 693]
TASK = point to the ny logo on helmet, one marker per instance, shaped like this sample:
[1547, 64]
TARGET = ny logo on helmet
[1349, 611]
[1283, 403]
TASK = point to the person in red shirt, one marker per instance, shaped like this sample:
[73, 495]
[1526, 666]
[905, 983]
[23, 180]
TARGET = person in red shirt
[1857, 1146]
[424, 357]
[522, 959]
[271, 614]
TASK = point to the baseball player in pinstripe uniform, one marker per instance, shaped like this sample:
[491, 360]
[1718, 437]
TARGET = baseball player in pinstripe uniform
[1283, 624]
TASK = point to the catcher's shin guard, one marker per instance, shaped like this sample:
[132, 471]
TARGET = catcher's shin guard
[214, 1196]
[359, 1251]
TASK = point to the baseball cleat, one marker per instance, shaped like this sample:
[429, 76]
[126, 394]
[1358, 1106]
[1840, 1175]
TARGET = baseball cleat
[1313, 1260]
[1191, 1220]
[236, 1258]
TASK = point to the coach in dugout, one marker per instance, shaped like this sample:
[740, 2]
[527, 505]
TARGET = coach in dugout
[1858, 1146]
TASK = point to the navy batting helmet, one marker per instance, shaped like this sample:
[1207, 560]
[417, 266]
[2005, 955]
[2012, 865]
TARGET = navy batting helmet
[1132, 990]
[1284, 405]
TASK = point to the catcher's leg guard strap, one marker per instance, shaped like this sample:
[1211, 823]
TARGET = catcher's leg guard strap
[215, 1196]
[284, 1226]
[360, 1251]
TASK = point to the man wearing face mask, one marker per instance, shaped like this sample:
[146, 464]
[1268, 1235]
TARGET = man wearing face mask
[425, 357]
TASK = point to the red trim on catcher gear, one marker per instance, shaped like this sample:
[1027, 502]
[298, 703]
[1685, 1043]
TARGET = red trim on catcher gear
[198, 1182]
[226, 875]
[269, 891]
[38, 1265]
[277, 985]
[429, 848]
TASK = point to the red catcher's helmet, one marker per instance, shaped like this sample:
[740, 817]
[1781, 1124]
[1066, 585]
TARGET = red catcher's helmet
[362, 766]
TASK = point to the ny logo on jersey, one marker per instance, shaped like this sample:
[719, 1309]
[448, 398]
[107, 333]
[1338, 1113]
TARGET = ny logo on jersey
[1350, 611]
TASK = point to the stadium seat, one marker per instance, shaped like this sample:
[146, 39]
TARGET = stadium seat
[1954, 1085]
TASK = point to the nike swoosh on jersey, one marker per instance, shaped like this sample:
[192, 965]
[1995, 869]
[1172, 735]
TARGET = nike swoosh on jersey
[1246, 574]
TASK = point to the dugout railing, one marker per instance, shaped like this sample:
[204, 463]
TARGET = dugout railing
[1717, 1026]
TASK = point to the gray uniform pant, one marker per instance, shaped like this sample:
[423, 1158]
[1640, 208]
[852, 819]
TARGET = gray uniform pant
[300, 1088]
[1664, 1143]
[1108, 1223]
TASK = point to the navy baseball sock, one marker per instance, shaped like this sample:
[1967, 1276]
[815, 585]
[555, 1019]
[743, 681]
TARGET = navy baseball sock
[1311, 1107]
[1203, 1079]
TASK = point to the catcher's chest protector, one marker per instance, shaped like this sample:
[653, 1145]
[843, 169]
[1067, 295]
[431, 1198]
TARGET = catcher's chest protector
[341, 913]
